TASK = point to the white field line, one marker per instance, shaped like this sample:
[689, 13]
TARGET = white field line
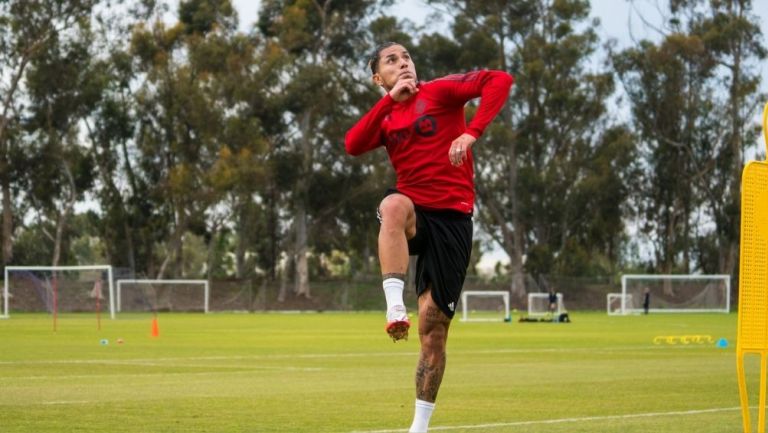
[67, 402]
[565, 420]
[239, 370]
[346, 355]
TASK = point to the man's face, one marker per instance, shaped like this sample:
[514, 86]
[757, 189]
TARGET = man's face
[394, 64]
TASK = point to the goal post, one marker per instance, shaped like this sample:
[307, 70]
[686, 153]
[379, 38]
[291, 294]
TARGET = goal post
[176, 295]
[538, 305]
[19, 280]
[490, 308]
[676, 293]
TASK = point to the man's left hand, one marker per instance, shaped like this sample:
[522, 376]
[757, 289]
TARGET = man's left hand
[459, 150]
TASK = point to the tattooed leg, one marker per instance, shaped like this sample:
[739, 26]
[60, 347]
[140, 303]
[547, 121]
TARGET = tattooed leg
[433, 334]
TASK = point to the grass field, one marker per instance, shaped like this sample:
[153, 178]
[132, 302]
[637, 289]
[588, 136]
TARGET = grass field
[337, 372]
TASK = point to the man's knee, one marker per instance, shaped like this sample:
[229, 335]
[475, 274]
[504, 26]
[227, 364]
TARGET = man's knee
[395, 206]
[434, 339]
[396, 211]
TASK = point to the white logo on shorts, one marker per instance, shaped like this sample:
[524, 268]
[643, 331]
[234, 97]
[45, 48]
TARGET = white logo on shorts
[451, 306]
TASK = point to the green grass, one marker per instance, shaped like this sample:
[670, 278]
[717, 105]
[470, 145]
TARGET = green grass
[337, 372]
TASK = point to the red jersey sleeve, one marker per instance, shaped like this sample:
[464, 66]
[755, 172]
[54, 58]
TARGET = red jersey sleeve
[491, 86]
[366, 134]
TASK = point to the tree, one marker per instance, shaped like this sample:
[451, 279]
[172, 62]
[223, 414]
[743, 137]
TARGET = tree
[63, 87]
[731, 34]
[317, 36]
[26, 26]
[540, 195]
[693, 131]
[193, 118]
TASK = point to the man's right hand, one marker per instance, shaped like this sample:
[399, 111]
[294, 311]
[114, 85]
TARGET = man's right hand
[404, 89]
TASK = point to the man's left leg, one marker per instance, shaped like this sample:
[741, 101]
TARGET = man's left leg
[433, 335]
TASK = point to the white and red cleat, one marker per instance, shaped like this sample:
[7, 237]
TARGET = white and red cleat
[397, 323]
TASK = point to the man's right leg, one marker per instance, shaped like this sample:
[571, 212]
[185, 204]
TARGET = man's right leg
[398, 224]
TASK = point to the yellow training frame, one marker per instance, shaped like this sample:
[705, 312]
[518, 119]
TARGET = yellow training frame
[753, 280]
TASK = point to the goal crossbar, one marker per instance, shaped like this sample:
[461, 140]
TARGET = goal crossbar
[107, 268]
[204, 283]
[627, 308]
[543, 297]
[484, 293]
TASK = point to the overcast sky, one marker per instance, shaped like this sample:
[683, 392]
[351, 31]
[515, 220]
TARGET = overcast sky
[616, 16]
[619, 19]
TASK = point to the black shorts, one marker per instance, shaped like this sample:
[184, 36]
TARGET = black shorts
[443, 244]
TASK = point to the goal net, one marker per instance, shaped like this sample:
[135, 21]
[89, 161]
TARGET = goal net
[162, 295]
[676, 293]
[538, 305]
[485, 306]
[58, 289]
[614, 302]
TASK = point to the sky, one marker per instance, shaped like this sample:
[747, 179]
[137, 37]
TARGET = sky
[616, 16]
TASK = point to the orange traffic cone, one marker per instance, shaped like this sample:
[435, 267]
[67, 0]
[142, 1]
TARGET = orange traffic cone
[155, 328]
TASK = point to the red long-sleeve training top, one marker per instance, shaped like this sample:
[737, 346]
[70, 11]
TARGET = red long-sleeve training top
[418, 134]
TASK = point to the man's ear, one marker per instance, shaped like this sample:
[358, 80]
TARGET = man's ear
[377, 79]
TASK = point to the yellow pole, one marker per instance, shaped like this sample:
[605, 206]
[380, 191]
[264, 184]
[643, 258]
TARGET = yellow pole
[761, 408]
[743, 396]
[765, 126]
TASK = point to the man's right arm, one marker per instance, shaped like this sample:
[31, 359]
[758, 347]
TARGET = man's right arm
[366, 134]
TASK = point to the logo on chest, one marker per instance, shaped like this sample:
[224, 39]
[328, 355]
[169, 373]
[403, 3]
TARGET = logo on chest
[425, 126]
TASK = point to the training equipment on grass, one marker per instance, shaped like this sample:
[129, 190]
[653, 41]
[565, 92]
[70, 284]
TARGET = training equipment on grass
[485, 306]
[162, 295]
[538, 305]
[683, 339]
[58, 289]
[155, 328]
[676, 293]
[722, 343]
[753, 280]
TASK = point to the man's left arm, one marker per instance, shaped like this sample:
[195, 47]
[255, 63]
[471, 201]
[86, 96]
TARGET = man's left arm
[493, 89]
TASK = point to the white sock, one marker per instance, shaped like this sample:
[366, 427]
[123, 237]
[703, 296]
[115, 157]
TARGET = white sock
[421, 416]
[393, 291]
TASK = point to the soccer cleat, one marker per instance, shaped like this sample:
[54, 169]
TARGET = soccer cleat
[397, 323]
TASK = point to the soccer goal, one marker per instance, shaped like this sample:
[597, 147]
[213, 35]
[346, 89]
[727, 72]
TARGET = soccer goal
[614, 302]
[55, 289]
[162, 295]
[676, 293]
[485, 306]
[538, 305]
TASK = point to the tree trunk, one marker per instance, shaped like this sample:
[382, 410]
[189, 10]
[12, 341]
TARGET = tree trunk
[730, 266]
[175, 246]
[64, 217]
[240, 247]
[281, 294]
[7, 218]
[301, 283]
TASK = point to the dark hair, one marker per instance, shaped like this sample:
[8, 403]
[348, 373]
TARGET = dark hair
[373, 59]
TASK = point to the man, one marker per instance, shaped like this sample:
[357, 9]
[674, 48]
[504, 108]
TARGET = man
[646, 300]
[552, 301]
[429, 213]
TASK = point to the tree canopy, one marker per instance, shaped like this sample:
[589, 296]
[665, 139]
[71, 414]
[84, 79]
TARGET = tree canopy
[184, 147]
